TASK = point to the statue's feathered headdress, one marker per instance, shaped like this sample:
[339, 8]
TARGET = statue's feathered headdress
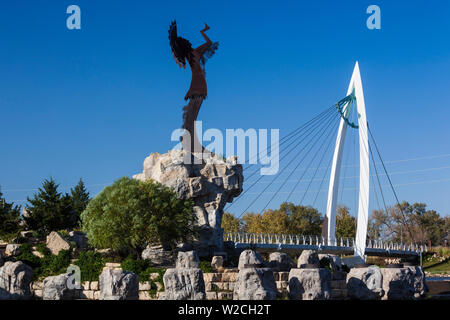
[181, 48]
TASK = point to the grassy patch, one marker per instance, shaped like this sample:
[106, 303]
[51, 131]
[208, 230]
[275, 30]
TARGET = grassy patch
[437, 260]
[438, 267]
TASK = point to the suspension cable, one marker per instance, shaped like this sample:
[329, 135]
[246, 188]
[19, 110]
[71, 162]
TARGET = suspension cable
[390, 182]
[293, 133]
[333, 129]
[328, 116]
[284, 168]
[298, 164]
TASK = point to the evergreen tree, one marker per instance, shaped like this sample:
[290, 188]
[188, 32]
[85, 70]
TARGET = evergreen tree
[49, 210]
[80, 199]
[9, 219]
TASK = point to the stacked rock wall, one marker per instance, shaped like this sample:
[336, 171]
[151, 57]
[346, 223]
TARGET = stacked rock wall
[90, 290]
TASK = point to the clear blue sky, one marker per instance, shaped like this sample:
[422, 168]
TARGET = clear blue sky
[93, 103]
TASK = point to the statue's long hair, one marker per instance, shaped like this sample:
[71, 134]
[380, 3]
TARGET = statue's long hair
[181, 48]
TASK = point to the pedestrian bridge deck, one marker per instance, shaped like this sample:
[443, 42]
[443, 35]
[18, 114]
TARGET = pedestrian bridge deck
[297, 243]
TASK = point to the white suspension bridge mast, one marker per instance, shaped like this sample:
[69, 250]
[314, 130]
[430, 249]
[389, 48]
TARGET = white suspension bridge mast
[355, 88]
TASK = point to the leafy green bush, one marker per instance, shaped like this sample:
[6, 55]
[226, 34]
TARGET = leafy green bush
[143, 269]
[205, 266]
[42, 249]
[161, 272]
[64, 234]
[27, 257]
[54, 265]
[130, 213]
[139, 267]
[49, 265]
[91, 265]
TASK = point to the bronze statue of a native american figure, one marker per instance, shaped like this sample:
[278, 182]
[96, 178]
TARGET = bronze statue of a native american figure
[182, 50]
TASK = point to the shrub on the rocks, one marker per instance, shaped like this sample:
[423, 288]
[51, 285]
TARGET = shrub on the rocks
[139, 267]
[205, 266]
[27, 257]
[56, 264]
[49, 265]
[130, 213]
[161, 272]
[143, 269]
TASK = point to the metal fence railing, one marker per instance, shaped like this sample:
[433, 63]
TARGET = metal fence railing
[291, 239]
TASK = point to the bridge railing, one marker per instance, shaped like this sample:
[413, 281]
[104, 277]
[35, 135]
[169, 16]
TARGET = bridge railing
[293, 239]
[389, 245]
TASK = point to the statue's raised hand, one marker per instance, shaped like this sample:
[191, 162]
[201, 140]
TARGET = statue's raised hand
[206, 27]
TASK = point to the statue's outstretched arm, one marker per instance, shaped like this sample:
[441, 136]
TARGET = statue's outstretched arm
[208, 42]
[204, 34]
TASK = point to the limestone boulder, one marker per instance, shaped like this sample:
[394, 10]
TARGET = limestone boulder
[183, 284]
[365, 283]
[280, 261]
[209, 180]
[308, 257]
[58, 288]
[12, 249]
[158, 255]
[187, 259]
[404, 283]
[309, 284]
[417, 278]
[15, 281]
[56, 243]
[250, 259]
[79, 238]
[116, 284]
[255, 284]
[185, 281]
